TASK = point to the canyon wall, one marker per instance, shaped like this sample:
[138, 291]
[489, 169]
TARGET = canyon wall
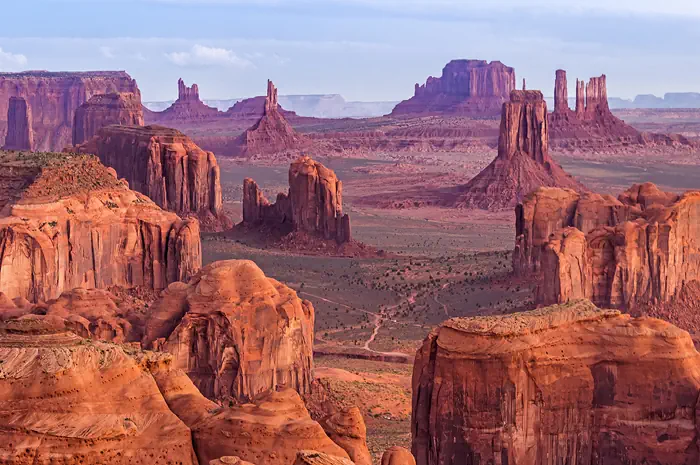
[467, 87]
[54, 97]
[20, 135]
[565, 384]
[105, 110]
[167, 166]
[67, 222]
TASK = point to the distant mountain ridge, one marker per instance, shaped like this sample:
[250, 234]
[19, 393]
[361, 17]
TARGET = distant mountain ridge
[669, 100]
[318, 106]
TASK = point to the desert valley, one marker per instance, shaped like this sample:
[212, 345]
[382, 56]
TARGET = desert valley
[477, 277]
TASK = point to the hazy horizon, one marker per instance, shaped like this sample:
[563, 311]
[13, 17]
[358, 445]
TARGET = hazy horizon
[363, 50]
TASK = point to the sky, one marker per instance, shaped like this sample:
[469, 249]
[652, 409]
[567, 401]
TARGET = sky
[365, 50]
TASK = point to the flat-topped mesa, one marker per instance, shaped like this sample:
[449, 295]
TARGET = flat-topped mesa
[271, 134]
[54, 98]
[102, 110]
[467, 87]
[167, 166]
[314, 204]
[67, 222]
[550, 386]
[523, 163]
[20, 135]
[629, 253]
[187, 108]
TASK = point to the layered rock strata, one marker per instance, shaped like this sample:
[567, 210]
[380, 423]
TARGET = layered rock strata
[20, 135]
[105, 110]
[314, 204]
[67, 222]
[235, 332]
[167, 166]
[54, 97]
[567, 384]
[523, 163]
[473, 88]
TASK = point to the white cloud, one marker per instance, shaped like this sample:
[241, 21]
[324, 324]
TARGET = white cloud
[201, 55]
[11, 61]
[107, 52]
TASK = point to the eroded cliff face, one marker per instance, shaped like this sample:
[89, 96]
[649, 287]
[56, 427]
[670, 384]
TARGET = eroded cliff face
[235, 332]
[467, 87]
[105, 110]
[167, 166]
[20, 134]
[83, 401]
[67, 222]
[567, 384]
[54, 98]
[314, 204]
[523, 163]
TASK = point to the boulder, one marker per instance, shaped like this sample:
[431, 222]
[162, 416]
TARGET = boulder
[398, 456]
[308, 457]
[346, 428]
[235, 332]
[105, 110]
[564, 384]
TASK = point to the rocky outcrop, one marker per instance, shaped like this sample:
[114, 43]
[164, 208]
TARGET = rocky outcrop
[67, 222]
[20, 135]
[272, 133]
[83, 401]
[398, 456]
[54, 98]
[346, 427]
[235, 332]
[473, 88]
[523, 163]
[314, 204]
[167, 166]
[309, 457]
[567, 384]
[187, 108]
[228, 460]
[638, 250]
[105, 110]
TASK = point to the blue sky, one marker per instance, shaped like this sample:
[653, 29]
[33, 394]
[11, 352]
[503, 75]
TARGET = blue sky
[362, 49]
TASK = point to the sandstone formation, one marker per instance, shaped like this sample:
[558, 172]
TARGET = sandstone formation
[307, 457]
[167, 166]
[83, 402]
[398, 456]
[187, 107]
[105, 110]
[228, 460]
[568, 384]
[67, 222]
[314, 204]
[54, 97]
[346, 428]
[639, 249]
[235, 332]
[20, 135]
[523, 163]
[473, 88]
[272, 133]
[269, 431]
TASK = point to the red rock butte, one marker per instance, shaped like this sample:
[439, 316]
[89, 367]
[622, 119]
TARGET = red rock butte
[272, 133]
[104, 110]
[188, 107]
[473, 88]
[68, 222]
[167, 166]
[54, 97]
[314, 204]
[564, 384]
[523, 163]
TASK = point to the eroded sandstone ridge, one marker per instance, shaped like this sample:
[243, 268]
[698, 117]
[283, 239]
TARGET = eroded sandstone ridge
[567, 384]
[67, 222]
[20, 135]
[638, 249]
[85, 402]
[467, 87]
[105, 110]
[54, 98]
[272, 133]
[523, 163]
[167, 166]
[314, 204]
[235, 332]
